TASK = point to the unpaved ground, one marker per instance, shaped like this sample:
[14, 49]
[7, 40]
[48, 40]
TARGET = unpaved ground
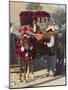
[39, 79]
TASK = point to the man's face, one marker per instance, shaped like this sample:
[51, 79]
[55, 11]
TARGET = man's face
[50, 32]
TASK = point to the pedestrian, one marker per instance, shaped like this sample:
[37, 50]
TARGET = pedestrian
[51, 61]
[60, 53]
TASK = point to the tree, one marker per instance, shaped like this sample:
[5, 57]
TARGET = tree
[34, 6]
[61, 13]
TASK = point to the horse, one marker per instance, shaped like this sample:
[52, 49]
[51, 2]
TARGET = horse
[25, 52]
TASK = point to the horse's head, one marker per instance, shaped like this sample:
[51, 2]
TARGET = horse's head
[24, 38]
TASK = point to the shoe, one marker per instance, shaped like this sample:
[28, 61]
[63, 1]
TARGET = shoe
[55, 74]
[51, 73]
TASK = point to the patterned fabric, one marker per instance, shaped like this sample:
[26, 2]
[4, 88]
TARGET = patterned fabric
[25, 28]
[25, 49]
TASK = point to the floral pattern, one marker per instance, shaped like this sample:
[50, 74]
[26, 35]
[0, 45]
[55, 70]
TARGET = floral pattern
[26, 48]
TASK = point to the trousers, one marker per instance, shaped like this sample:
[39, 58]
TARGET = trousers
[51, 63]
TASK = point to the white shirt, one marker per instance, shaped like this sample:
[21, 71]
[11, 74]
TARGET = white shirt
[51, 43]
[34, 28]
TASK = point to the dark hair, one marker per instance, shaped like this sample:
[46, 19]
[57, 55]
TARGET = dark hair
[10, 24]
[34, 19]
[50, 30]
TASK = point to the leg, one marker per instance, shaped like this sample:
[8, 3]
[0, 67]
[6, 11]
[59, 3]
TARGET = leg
[27, 69]
[24, 76]
[20, 70]
[32, 68]
[53, 66]
[48, 66]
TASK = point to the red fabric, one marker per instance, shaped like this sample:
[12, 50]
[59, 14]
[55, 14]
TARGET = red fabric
[19, 29]
[37, 14]
[24, 37]
[25, 28]
[18, 44]
[30, 29]
[19, 54]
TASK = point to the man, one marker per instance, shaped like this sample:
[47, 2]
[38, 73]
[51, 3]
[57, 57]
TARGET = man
[36, 28]
[51, 62]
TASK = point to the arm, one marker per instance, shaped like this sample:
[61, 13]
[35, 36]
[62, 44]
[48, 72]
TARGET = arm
[51, 43]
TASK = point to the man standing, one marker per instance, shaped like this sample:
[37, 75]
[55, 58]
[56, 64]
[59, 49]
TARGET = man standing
[51, 62]
[36, 28]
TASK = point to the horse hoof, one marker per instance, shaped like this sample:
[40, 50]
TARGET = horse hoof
[32, 76]
[20, 80]
[27, 76]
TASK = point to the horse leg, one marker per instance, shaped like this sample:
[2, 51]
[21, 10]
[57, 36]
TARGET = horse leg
[20, 71]
[24, 76]
[32, 69]
[27, 75]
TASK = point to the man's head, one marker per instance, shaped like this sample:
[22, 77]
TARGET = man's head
[34, 20]
[50, 31]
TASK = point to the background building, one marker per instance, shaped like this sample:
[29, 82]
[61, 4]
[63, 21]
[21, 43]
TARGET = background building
[17, 7]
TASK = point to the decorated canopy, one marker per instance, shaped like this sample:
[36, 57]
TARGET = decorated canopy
[26, 17]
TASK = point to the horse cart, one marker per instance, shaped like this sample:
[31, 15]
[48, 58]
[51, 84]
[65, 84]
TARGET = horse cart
[29, 46]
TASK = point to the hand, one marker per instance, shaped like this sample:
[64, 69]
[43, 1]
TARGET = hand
[39, 38]
[45, 43]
